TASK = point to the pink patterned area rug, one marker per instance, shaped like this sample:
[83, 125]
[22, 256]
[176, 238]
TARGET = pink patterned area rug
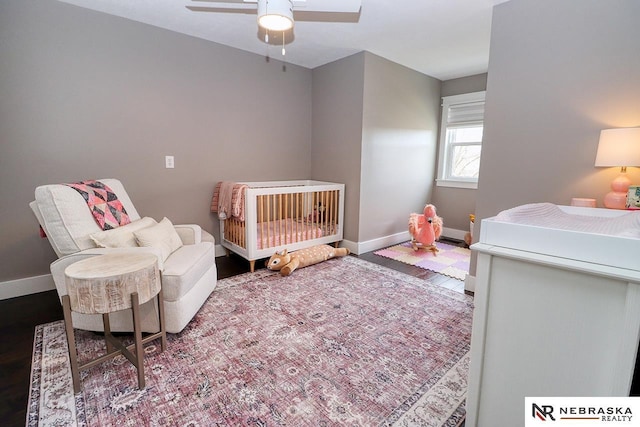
[342, 343]
[452, 261]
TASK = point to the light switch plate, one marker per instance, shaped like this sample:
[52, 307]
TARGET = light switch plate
[168, 162]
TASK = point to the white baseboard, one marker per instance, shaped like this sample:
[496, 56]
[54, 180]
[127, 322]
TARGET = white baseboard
[375, 244]
[26, 286]
[352, 246]
[452, 233]
[470, 283]
[220, 251]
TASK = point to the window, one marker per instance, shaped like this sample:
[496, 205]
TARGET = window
[461, 140]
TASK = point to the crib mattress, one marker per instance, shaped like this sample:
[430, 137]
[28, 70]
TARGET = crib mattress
[285, 231]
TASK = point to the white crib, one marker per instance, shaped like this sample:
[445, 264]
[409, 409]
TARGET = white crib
[285, 215]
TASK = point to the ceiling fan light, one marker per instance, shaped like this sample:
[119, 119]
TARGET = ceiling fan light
[275, 15]
[275, 22]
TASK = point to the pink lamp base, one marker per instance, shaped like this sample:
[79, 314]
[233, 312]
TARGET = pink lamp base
[617, 198]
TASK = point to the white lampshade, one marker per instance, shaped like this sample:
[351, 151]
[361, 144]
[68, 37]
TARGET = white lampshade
[619, 147]
[275, 15]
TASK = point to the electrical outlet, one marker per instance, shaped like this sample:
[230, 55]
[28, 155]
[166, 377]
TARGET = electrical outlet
[168, 162]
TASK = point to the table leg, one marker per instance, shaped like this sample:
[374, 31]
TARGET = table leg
[71, 342]
[163, 328]
[135, 307]
[107, 333]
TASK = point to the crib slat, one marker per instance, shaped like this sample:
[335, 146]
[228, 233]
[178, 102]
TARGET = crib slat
[280, 220]
[295, 238]
[330, 212]
[286, 224]
[261, 219]
[274, 218]
[314, 215]
[268, 220]
[335, 212]
[307, 214]
[243, 233]
[267, 243]
[321, 213]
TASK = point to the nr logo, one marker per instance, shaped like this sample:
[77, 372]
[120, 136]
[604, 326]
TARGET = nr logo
[543, 412]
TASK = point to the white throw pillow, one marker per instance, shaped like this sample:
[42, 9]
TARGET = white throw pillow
[162, 236]
[121, 237]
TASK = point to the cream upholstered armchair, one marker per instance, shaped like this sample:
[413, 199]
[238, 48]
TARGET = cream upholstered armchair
[188, 272]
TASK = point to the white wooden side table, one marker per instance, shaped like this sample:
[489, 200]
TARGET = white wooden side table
[107, 283]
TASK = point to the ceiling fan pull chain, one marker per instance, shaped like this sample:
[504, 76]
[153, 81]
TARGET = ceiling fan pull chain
[266, 37]
[283, 51]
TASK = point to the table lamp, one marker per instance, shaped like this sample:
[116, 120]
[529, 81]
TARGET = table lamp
[618, 148]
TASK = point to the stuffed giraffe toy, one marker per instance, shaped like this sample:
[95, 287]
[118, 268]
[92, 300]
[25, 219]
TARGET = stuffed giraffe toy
[286, 262]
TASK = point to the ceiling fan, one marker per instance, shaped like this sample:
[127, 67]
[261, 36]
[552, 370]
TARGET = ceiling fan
[277, 16]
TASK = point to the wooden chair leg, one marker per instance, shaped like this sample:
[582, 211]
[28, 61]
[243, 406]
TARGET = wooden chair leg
[163, 327]
[71, 342]
[135, 308]
[252, 265]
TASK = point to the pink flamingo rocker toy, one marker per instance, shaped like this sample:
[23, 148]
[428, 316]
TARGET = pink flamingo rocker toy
[425, 229]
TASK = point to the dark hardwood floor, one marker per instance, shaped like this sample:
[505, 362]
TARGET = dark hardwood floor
[19, 317]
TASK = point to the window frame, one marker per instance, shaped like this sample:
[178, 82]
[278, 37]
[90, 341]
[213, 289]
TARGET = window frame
[445, 149]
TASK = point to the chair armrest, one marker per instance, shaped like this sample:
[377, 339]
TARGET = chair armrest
[190, 234]
[59, 265]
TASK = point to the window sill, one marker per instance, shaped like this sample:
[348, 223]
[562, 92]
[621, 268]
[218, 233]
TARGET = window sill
[456, 184]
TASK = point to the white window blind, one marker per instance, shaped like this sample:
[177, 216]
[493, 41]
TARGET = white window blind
[463, 113]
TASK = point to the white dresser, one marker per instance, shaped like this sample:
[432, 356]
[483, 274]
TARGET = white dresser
[557, 310]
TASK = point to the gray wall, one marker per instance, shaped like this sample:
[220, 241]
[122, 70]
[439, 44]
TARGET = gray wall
[88, 95]
[399, 140]
[555, 80]
[455, 204]
[374, 128]
[337, 131]
[469, 84]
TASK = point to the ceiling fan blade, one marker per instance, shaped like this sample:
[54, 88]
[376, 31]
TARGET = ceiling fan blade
[346, 6]
[226, 1]
[310, 16]
[239, 8]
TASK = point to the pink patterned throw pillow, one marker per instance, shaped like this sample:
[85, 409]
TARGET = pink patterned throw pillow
[103, 204]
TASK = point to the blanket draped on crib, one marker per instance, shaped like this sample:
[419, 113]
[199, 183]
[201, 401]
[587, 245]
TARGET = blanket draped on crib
[228, 200]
